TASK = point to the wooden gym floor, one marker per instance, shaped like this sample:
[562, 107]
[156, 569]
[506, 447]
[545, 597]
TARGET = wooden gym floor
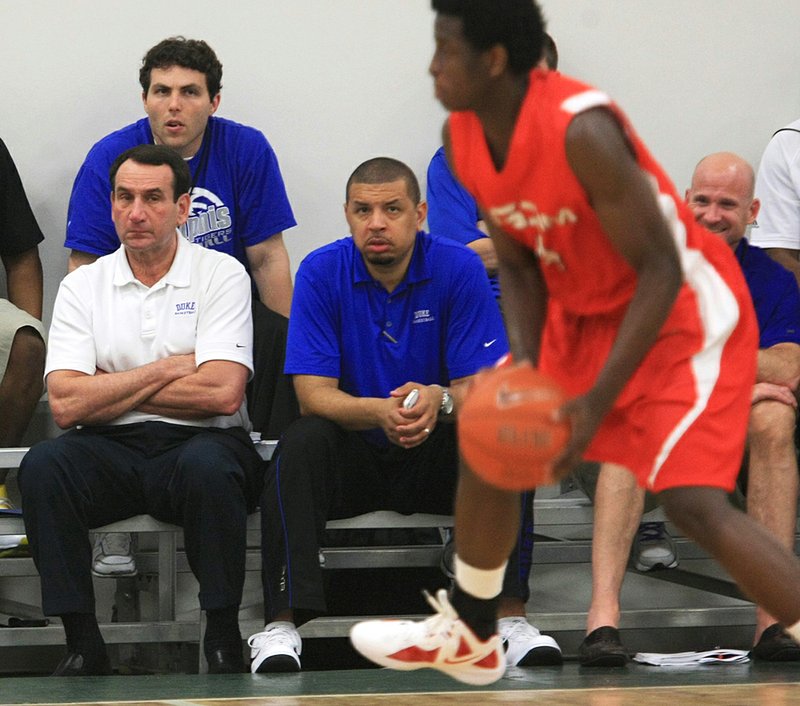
[728, 685]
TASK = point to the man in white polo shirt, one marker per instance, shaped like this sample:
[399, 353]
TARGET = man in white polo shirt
[151, 351]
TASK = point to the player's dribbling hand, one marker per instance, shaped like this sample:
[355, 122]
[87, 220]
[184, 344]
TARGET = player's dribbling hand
[585, 421]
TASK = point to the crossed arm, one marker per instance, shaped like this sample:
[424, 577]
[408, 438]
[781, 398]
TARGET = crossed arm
[173, 387]
[778, 374]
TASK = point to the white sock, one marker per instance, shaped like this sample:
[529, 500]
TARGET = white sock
[794, 631]
[480, 583]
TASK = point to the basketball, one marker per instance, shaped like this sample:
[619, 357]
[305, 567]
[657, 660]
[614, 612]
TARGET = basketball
[506, 432]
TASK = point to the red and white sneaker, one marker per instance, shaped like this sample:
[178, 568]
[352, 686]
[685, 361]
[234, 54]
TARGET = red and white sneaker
[442, 642]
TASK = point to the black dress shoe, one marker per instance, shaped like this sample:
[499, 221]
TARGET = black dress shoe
[776, 646]
[76, 665]
[225, 661]
[602, 648]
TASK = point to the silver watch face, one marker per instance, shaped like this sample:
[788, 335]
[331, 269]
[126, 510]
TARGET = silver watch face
[447, 402]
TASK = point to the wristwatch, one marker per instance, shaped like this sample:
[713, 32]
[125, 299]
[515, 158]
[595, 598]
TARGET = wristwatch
[447, 403]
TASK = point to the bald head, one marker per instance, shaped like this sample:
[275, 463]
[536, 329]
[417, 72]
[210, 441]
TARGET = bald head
[721, 195]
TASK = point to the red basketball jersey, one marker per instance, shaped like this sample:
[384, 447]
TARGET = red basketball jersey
[693, 387]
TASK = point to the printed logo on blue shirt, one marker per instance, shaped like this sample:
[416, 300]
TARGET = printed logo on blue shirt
[422, 316]
[185, 308]
[209, 223]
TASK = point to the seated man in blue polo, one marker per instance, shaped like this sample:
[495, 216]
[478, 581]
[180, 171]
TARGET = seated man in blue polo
[722, 199]
[375, 317]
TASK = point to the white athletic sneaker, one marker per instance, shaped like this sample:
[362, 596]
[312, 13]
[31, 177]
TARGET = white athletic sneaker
[442, 642]
[525, 646]
[276, 648]
[111, 556]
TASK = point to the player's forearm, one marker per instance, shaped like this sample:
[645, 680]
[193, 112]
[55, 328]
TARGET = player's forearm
[657, 288]
[524, 304]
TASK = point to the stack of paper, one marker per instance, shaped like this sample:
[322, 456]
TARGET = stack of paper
[681, 659]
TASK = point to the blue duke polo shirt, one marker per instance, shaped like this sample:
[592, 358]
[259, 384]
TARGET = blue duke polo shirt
[775, 294]
[441, 322]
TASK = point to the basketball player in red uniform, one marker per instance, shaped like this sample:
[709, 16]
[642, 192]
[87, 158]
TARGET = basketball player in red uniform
[610, 286]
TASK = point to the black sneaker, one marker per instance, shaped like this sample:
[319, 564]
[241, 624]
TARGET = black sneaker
[776, 646]
[602, 648]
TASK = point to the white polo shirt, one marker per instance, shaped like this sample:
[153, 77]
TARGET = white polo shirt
[778, 188]
[105, 318]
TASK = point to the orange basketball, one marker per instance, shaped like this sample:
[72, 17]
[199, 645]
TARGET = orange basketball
[506, 433]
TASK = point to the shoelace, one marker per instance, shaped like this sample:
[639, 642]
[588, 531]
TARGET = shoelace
[518, 628]
[277, 634]
[116, 544]
[441, 622]
[651, 530]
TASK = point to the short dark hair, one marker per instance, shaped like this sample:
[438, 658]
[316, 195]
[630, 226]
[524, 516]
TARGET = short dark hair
[517, 25]
[190, 54]
[156, 155]
[549, 52]
[381, 170]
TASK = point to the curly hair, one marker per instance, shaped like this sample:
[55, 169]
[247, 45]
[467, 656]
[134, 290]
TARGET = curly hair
[190, 54]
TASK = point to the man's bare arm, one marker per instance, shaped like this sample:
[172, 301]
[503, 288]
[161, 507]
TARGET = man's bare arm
[269, 267]
[24, 281]
[787, 257]
[77, 398]
[780, 365]
[214, 389]
[78, 258]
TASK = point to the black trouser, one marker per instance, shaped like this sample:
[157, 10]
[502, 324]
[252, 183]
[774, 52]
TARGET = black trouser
[321, 472]
[205, 480]
[271, 400]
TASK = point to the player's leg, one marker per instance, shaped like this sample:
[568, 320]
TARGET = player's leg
[766, 572]
[461, 638]
[772, 487]
[618, 506]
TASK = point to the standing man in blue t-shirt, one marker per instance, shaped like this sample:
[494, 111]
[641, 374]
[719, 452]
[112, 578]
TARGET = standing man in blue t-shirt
[387, 329]
[239, 202]
[239, 206]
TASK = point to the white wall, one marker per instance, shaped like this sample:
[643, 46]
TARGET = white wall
[334, 82]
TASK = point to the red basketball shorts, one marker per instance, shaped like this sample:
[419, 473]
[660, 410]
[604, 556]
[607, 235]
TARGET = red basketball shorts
[682, 418]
